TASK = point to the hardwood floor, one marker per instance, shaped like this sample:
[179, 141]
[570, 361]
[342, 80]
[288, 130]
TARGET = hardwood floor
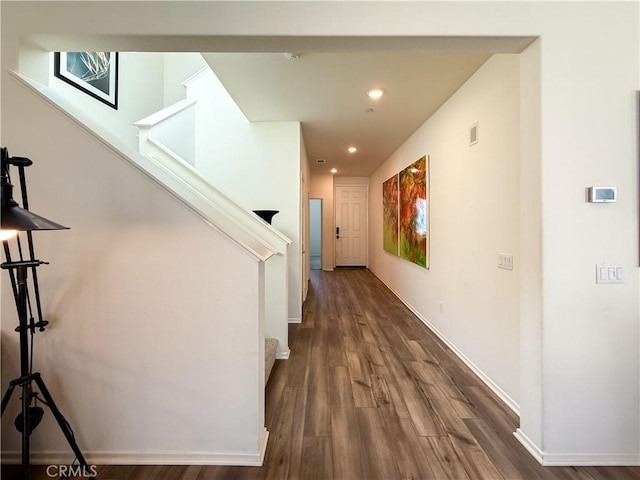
[370, 393]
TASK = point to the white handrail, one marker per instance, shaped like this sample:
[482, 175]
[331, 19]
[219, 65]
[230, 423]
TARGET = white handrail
[198, 186]
[210, 212]
[164, 114]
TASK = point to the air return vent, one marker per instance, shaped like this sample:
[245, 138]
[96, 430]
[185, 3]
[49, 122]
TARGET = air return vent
[320, 160]
[473, 134]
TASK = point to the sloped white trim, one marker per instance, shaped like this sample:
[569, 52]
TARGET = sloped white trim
[191, 178]
[196, 76]
[212, 214]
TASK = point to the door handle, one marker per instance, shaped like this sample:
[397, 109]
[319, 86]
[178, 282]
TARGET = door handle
[337, 232]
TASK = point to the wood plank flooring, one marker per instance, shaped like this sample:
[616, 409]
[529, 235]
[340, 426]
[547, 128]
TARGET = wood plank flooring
[370, 393]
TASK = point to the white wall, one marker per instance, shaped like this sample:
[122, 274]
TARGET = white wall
[583, 338]
[148, 82]
[178, 67]
[590, 330]
[255, 164]
[474, 200]
[140, 93]
[530, 261]
[136, 356]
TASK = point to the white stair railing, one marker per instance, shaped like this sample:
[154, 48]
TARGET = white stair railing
[199, 191]
[179, 178]
[173, 127]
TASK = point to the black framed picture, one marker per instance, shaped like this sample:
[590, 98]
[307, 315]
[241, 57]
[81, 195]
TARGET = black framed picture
[95, 73]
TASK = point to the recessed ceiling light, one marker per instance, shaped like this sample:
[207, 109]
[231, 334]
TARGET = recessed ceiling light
[352, 149]
[334, 170]
[375, 93]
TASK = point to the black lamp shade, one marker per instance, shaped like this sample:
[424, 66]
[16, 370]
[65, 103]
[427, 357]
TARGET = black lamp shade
[12, 217]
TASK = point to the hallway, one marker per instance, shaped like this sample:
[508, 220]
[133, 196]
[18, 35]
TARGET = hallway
[370, 393]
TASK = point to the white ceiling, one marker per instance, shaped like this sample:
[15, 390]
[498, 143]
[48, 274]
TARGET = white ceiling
[326, 92]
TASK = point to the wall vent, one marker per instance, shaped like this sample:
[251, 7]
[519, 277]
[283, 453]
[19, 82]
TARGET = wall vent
[473, 134]
[320, 160]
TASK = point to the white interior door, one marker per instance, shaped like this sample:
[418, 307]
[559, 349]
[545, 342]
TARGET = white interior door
[351, 225]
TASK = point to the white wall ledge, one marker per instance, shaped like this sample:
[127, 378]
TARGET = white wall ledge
[165, 113]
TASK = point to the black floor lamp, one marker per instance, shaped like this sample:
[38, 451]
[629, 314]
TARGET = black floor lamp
[15, 219]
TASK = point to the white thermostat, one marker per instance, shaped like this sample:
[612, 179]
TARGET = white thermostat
[603, 194]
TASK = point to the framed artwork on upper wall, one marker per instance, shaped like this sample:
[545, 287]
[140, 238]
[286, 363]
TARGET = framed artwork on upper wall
[95, 73]
[414, 233]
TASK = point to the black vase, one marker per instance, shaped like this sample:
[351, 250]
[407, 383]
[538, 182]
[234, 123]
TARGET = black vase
[266, 215]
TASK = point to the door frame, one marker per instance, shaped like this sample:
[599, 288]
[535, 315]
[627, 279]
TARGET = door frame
[335, 209]
[305, 271]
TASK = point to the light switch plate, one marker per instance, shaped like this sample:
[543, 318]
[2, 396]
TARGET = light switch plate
[505, 261]
[609, 273]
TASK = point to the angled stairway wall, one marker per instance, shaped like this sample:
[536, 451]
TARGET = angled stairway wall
[156, 345]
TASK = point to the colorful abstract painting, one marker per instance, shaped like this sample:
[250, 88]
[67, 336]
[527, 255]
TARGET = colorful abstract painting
[390, 215]
[414, 213]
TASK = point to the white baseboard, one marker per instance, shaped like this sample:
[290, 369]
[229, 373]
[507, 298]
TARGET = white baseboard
[576, 459]
[147, 458]
[295, 320]
[531, 447]
[283, 355]
[512, 404]
[590, 460]
[263, 446]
